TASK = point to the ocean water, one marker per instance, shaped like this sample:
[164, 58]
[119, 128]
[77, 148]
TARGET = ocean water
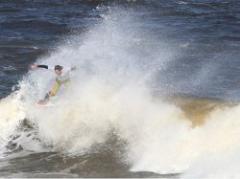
[155, 92]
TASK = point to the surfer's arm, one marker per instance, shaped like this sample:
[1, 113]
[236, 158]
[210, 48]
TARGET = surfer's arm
[73, 68]
[35, 66]
[43, 66]
[68, 70]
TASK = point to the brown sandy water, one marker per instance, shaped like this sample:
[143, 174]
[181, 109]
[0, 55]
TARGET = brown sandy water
[197, 109]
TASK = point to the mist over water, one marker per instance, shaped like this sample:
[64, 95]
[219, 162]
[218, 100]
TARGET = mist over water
[110, 90]
[118, 92]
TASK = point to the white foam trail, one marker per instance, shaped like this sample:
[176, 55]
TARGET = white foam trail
[110, 90]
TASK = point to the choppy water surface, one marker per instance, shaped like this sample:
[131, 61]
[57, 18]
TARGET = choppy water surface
[155, 93]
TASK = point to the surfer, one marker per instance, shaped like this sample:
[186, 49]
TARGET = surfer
[62, 77]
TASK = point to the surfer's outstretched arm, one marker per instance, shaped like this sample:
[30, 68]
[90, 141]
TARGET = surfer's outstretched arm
[35, 66]
[73, 68]
[57, 67]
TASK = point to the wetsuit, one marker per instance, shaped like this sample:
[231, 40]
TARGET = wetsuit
[64, 78]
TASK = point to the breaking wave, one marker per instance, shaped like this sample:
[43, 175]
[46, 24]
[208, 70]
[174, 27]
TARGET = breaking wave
[111, 90]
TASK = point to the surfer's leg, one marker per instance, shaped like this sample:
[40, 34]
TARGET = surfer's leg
[45, 99]
[55, 88]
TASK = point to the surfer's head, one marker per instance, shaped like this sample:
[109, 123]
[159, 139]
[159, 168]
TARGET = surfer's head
[58, 69]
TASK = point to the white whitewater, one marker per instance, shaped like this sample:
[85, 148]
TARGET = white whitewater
[111, 90]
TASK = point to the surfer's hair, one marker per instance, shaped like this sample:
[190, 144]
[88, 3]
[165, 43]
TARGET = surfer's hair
[58, 67]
